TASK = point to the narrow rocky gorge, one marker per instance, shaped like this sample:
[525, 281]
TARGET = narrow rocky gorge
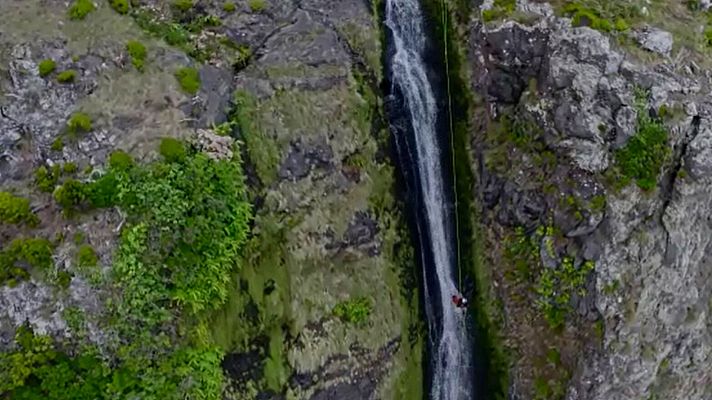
[585, 125]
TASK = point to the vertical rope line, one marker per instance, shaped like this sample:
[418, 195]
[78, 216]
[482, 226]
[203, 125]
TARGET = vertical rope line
[444, 12]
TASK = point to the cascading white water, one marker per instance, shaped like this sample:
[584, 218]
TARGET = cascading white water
[450, 347]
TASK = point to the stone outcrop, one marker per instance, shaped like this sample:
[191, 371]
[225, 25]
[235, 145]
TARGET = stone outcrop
[311, 131]
[651, 287]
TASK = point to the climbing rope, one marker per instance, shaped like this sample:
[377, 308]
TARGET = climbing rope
[444, 12]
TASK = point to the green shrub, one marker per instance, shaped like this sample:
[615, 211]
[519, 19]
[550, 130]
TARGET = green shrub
[354, 311]
[57, 145]
[102, 193]
[229, 6]
[46, 67]
[645, 153]
[257, 5]
[120, 6]
[72, 195]
[79, 122]
[137, 52]
[120, 160]
[183, 5]
[86, 256]
[172, 150]
[21, 255]
[46, 178]
[67, 76]
[16, 210]
[185, 227]
[80, 9]
[189, 79]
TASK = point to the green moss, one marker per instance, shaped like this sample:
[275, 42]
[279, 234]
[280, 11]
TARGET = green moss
[500, 9]
[78, 123]
[67, 76]
[120, 6]
[257, 5]
[598, 203]
[16, 210]
[86, 256]
[172, 150]
[137, 52]
[80, 9]
[120, 160]
[263, 152]
[597, 16]
[354, 311]
[78, 238]
[57, 145]
[229, 6]
[46, 67]
[69, 168]
[189, 79]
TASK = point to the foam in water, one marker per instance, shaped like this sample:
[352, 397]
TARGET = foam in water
[450, 347]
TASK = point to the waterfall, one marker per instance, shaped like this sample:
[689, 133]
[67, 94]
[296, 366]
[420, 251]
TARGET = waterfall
[450, 349]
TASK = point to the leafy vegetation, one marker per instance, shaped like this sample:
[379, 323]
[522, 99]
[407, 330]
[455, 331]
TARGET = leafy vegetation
[183, 5]
[79, 122]
[46, 178]
[355, 311]
[257, 5]
[606, 17]
[522, 251]
[16, 210]
[137, 52]
[556, 286]
[645, 153]
[120, 6]
[80, 9]
[189, 79]
[46, 67]
[500, 9]
[67, 76]
[185, 226]
[20, 256]
[71, 196]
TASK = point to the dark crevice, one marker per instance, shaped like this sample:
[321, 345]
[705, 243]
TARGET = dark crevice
[668, 185]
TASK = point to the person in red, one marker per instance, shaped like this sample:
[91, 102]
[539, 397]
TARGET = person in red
[459, 301]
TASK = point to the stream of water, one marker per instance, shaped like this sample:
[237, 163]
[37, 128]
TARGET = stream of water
[450, 349]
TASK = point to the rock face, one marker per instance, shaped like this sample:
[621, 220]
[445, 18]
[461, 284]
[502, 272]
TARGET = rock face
[651, 290]
[299, 80]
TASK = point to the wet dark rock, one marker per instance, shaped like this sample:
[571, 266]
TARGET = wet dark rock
[361, 231]
[304, 157]
[215, 94]
[520, 208]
